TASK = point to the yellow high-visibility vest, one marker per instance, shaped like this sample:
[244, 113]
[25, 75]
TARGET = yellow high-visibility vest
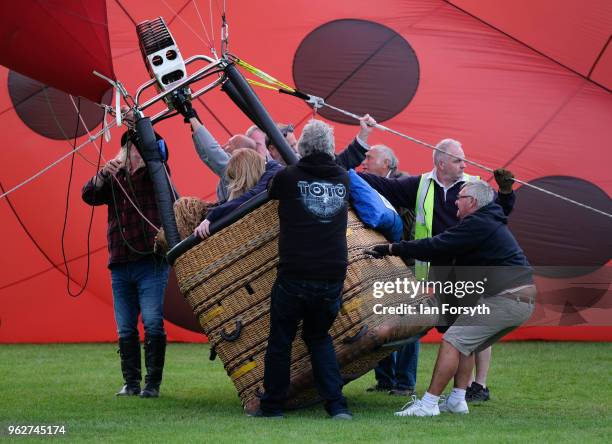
[424, 217]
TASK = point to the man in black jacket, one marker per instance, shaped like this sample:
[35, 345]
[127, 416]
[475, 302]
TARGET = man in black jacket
[486, 254]
[313, 256]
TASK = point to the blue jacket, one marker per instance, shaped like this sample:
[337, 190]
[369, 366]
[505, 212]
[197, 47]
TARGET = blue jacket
[481, 245]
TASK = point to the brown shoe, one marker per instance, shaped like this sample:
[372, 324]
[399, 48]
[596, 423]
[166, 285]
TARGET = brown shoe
[378, 388]
[400, 392]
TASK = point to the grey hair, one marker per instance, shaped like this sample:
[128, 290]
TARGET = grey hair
[251, 130]
[387, 154]
[444, 146]
[317, 137]
[481, 191]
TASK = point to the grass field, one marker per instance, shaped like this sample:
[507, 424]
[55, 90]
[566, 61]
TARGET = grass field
[544, 392]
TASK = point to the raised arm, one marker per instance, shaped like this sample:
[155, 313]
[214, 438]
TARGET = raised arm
[354, 154]
[506, 201]
[97, 190]
[399, 192]
[208, 148]
[506, 197]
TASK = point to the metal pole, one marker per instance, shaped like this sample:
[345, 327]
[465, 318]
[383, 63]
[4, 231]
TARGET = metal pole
[266, 124]
[164, 197]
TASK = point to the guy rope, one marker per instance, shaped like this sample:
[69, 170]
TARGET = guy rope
[319, 102]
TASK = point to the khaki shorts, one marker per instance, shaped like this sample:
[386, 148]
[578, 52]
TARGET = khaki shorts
[470, 334]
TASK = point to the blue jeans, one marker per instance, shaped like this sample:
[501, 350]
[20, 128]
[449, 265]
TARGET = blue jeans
[316, 303]
[399, 369]
[138, 287]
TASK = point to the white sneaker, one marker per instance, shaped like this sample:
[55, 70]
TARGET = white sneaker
[446, 405]
[415, 407]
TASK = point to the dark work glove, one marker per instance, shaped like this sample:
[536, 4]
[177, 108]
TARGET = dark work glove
[189, 112]
[379, 251]
[504, 179]
[183, 106]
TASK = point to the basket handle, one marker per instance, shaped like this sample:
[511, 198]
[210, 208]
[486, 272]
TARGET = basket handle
[351, 339]
[231, 337]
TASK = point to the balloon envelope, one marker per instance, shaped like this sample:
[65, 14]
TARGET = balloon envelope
[524, 85]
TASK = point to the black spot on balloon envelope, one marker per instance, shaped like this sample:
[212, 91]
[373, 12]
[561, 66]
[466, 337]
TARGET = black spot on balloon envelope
[49, 111]
[359, 66]
[560, 238]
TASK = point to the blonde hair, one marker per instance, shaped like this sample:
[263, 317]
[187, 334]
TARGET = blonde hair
[244, 169]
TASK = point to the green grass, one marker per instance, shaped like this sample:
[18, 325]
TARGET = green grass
[544, 392]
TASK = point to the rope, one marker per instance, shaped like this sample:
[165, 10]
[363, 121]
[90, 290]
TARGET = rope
[176, 14]
[60, 127]
[172, 187]
[65, 156]
[125, 193]
[259, 73]
[471, 162]
[91, 139]
[212, 27]
[261, 85]
[116, 180]
[65, 224]
[318, 102]
[212, 43]
[224, 37]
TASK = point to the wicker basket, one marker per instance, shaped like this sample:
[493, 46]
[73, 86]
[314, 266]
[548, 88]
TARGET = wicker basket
[227, 281]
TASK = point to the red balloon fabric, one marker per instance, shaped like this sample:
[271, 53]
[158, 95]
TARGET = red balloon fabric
[58, 42]
[524, 85]
[574, 34]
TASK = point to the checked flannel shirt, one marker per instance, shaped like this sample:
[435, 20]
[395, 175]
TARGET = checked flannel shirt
[126, 228]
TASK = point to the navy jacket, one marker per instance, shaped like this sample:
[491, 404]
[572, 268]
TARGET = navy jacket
[352, 155]
[481, 245]
[402, 192]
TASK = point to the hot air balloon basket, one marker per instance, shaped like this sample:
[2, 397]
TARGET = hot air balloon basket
[227, 281]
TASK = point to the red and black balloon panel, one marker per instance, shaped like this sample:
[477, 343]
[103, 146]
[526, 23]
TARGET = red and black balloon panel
[425, 68]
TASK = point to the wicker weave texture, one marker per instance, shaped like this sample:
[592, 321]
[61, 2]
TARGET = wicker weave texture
[227, 281]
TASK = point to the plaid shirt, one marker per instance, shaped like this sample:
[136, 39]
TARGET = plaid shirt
[130, 237]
